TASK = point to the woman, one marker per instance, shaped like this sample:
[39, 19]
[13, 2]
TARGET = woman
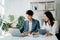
[49, 25]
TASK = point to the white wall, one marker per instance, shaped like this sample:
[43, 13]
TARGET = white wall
[58, 10]
[16, 7]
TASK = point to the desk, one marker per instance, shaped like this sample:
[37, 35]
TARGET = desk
[40, 37]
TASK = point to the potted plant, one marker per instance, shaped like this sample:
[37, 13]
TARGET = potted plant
[7, 25]
[20, 21]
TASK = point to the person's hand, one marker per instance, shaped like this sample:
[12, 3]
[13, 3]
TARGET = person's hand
[26, 33]
[48, 34]
[35, 33]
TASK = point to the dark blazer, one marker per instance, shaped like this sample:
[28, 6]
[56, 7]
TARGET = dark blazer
[35, 26]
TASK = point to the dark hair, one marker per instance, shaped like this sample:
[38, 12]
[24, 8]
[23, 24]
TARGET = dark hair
[30, 12]
[50, 16]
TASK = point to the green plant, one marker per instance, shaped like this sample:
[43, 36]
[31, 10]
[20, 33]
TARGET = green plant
[11, 18]
[6, 26]
[0, 20]
[20, 21]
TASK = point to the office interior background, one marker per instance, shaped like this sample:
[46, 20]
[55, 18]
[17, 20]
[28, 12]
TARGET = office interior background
[19, 7]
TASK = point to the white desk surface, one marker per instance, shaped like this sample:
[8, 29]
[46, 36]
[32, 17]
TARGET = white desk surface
[29, 38]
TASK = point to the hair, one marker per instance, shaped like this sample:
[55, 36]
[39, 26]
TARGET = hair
[50, 16]
[30, 12]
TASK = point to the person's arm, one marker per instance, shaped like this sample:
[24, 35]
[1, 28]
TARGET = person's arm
[37, 28]
[54, 28]
[48, 34]
[22, 28]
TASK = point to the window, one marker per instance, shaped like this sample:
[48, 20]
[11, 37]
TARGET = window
[1, 7]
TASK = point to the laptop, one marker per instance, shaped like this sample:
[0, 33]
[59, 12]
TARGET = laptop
[16, 33]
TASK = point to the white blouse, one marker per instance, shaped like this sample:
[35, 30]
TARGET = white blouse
[51, 29]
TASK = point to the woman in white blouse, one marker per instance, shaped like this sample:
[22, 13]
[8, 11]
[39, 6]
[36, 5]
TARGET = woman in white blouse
[49, 25]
